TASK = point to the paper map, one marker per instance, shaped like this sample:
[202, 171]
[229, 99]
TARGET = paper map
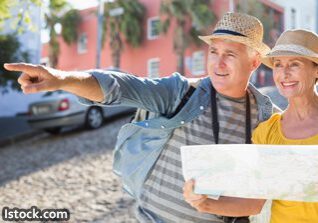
[253, 171]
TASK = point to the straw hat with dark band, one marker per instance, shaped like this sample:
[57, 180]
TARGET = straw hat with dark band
[241, 28]
[298, 42]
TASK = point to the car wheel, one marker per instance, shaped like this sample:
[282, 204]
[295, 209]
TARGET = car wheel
[53, 131]
[94, 118]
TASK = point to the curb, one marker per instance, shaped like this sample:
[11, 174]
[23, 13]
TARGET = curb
[12, 140]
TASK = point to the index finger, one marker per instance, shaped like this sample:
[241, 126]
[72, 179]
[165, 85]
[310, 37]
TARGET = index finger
[22, 67]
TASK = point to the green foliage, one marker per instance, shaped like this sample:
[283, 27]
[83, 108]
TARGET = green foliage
[197, 12]
[183, 12]
[164, 25]
[60, 12]
[259, 10]
[10, 52]
[10, 48]
[5, 6]
[70, 22]
[129, 25]
[20, 20]
[57, 6]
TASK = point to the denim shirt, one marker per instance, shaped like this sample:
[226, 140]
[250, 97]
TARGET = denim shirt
[140, 144]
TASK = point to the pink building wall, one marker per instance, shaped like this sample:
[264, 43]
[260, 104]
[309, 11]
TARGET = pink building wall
[133, 60]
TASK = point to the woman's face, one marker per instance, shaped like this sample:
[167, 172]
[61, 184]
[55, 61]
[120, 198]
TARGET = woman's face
[294, 76]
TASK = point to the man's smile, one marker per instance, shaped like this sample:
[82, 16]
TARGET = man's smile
[221, 74]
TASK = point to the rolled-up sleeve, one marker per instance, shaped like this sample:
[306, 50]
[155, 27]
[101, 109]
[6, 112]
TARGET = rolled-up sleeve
[160, 95]
[109, 87]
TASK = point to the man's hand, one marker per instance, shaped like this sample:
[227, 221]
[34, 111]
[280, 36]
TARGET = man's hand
[225, 206]
[36, 78]
[195, 200]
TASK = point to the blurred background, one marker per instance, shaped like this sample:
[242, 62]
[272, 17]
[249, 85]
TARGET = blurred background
[46, 145]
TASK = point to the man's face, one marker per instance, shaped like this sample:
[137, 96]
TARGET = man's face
[229, 67]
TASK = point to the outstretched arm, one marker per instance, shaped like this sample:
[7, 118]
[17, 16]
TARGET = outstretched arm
[225, 206]
[37, 78]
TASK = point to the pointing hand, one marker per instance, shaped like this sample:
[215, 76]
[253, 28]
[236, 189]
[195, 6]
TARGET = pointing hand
[36, 78]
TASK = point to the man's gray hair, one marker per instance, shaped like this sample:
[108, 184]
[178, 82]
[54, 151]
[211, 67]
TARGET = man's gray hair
[251, 52]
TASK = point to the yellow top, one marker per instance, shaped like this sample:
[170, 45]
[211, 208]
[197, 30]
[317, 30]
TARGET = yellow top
[269, 132]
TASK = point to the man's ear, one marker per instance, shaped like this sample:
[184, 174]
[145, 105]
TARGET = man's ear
[256, 61]
[316, 73]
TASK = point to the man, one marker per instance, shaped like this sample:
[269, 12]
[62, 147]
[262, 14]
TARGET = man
[223, 109]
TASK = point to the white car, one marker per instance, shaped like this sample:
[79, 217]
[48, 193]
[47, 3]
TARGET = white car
[59, 109]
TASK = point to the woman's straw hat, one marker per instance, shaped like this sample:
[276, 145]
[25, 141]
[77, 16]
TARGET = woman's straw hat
[241, 28]
[298, 43]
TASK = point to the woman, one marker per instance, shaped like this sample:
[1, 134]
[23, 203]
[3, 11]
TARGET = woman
[294, 60]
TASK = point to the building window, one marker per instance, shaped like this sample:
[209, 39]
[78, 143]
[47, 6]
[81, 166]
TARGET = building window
[293, 18]
[153, 67]
[153, 28]
[82, 43]
[198, 63]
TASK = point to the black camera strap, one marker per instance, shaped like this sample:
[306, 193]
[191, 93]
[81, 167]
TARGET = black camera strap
[215, 121]
[216, 128]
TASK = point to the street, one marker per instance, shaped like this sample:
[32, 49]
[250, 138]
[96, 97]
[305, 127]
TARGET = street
[72, 170]
[13, 126]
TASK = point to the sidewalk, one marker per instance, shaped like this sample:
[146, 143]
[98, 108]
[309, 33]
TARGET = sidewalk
[14, 129]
